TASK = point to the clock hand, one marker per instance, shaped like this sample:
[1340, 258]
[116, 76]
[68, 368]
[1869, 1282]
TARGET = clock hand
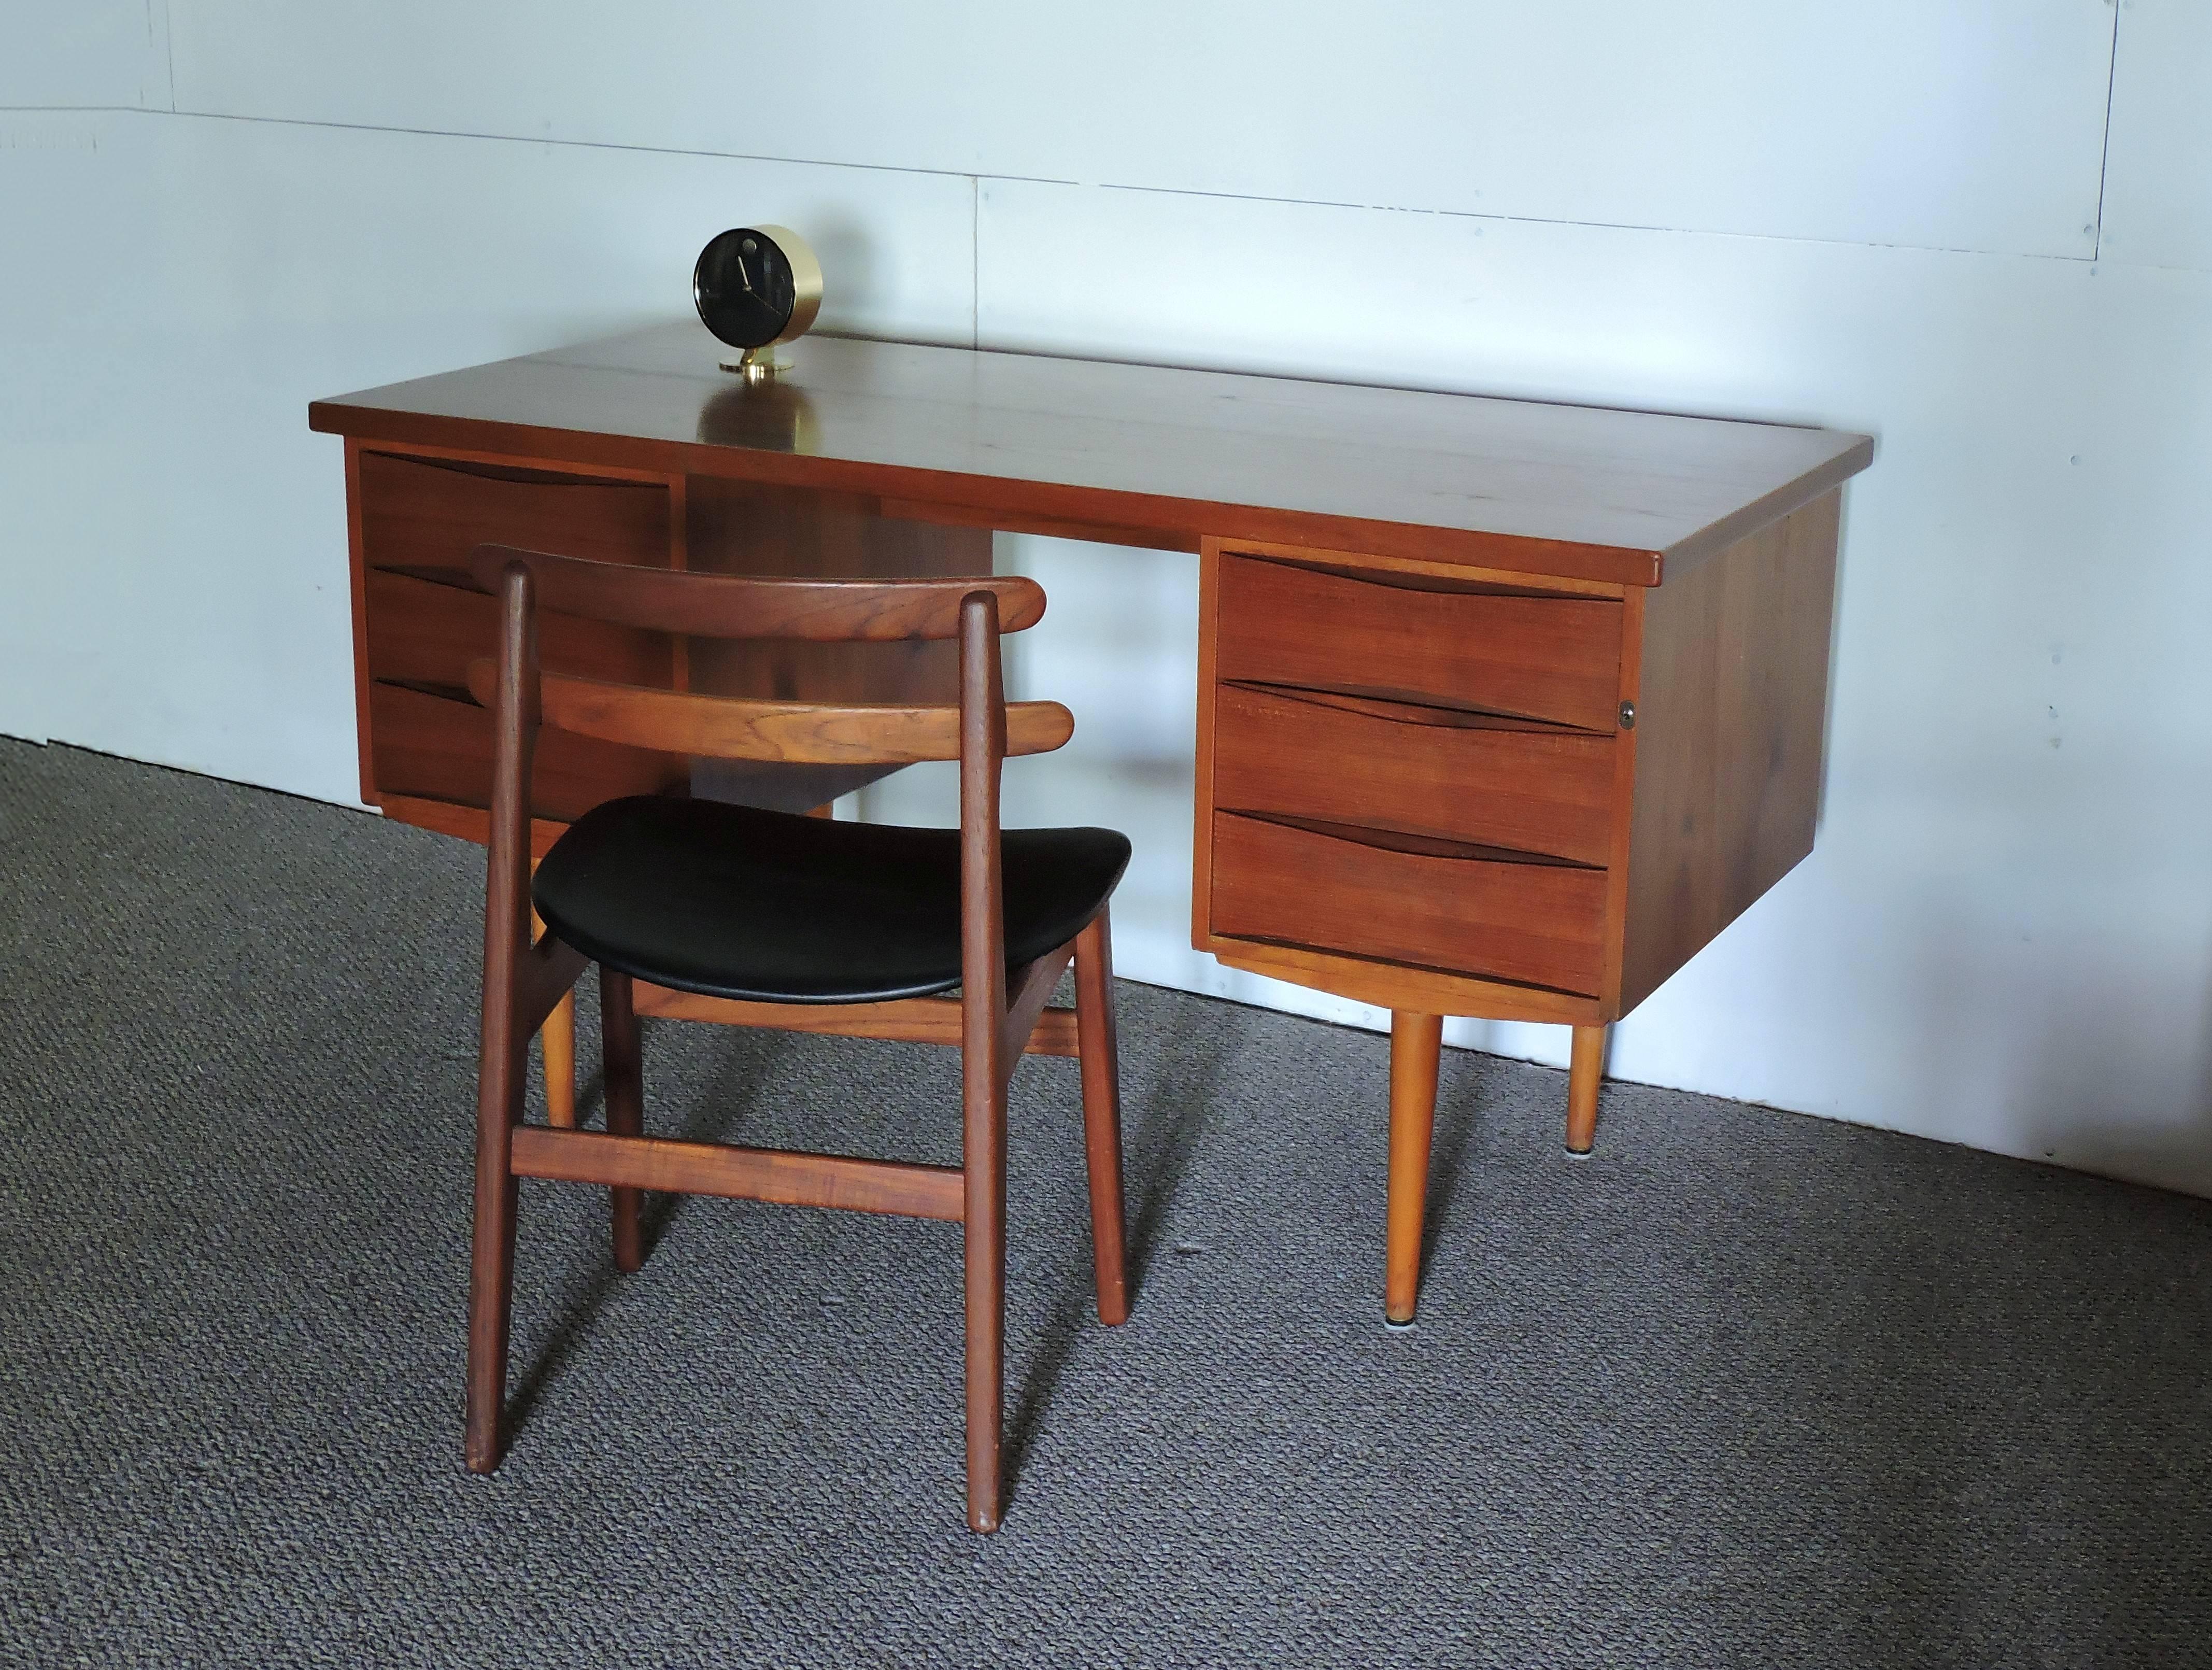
[745, 277]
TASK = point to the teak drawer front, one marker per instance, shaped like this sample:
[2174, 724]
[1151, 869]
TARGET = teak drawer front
[439, 749]
[1409, 639]
[416, 512]
[421, 632]
[1424, 771]
[1533, 923]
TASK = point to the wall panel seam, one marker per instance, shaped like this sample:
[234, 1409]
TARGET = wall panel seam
[976, 181]
[2104, 155]
[1596, 226]
[168, 45]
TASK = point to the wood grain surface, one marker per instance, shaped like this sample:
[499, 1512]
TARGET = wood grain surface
[432, 512]
[433, 747]
[1148, 451]
[909, 1020]
[740, 728]
[738, 1173]
[1408, 639]
[876, 610]
[1731, 723]
[1421, 770]
[1414, 902]
[426, 632]
[1390, 984]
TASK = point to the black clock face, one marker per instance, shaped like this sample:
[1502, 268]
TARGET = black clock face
[743, 286]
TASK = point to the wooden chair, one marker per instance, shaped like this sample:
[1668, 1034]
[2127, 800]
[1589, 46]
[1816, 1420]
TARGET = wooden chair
[738, 904]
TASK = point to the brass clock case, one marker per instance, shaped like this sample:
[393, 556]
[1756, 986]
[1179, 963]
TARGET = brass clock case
[737, 318]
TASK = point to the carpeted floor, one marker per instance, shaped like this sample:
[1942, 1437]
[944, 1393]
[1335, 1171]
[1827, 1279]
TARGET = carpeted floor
[1747, 1389]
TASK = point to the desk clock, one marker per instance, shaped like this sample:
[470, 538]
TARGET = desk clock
[756, 288]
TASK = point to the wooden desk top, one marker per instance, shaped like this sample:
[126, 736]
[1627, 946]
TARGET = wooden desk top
[1139, 455]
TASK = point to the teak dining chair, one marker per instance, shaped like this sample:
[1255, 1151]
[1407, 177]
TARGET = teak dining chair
[734, 903]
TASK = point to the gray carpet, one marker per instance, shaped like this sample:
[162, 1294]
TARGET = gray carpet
[1748, 1388]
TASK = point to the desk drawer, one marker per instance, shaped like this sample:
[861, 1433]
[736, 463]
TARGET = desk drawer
[1411, 637]
[1412, 901]
[424, 632]
[1427, 771]
[436, 748]
[417, 513]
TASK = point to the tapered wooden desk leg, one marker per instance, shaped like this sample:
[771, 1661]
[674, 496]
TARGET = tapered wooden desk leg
[1585, 1071]
[559, 1036]
[1416, 1041]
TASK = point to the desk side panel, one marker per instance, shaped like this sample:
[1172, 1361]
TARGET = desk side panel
[1731, 702]
[357, 573]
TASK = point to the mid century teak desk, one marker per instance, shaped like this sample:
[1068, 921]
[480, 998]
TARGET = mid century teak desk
[1505, 709]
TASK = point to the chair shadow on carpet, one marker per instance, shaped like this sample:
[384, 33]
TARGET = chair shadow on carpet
[1161, 1134]
[1156, 1151]
[526, 1386]
[710, 1119]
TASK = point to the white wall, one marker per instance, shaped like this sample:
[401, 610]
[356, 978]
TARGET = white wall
[1904, 218]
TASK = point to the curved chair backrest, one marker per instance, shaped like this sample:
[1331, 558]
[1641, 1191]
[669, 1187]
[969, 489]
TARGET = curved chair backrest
[889, 611]
[976, 610]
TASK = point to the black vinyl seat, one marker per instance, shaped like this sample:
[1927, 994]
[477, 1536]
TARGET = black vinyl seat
[766, 907]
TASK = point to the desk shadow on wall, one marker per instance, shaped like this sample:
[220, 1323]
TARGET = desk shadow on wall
[851, 271]
[2077, 1051]
[2109, 1089]
[1970, 1431]
[2004, 1356]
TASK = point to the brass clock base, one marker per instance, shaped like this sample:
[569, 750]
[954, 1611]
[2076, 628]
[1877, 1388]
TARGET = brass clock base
[759, 364]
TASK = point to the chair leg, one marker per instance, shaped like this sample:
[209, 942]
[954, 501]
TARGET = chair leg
[491, 1265]
[984, 1235]
[1416, 1042]
[623, 1067]
[1101, 1115]
[1585, 1072]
